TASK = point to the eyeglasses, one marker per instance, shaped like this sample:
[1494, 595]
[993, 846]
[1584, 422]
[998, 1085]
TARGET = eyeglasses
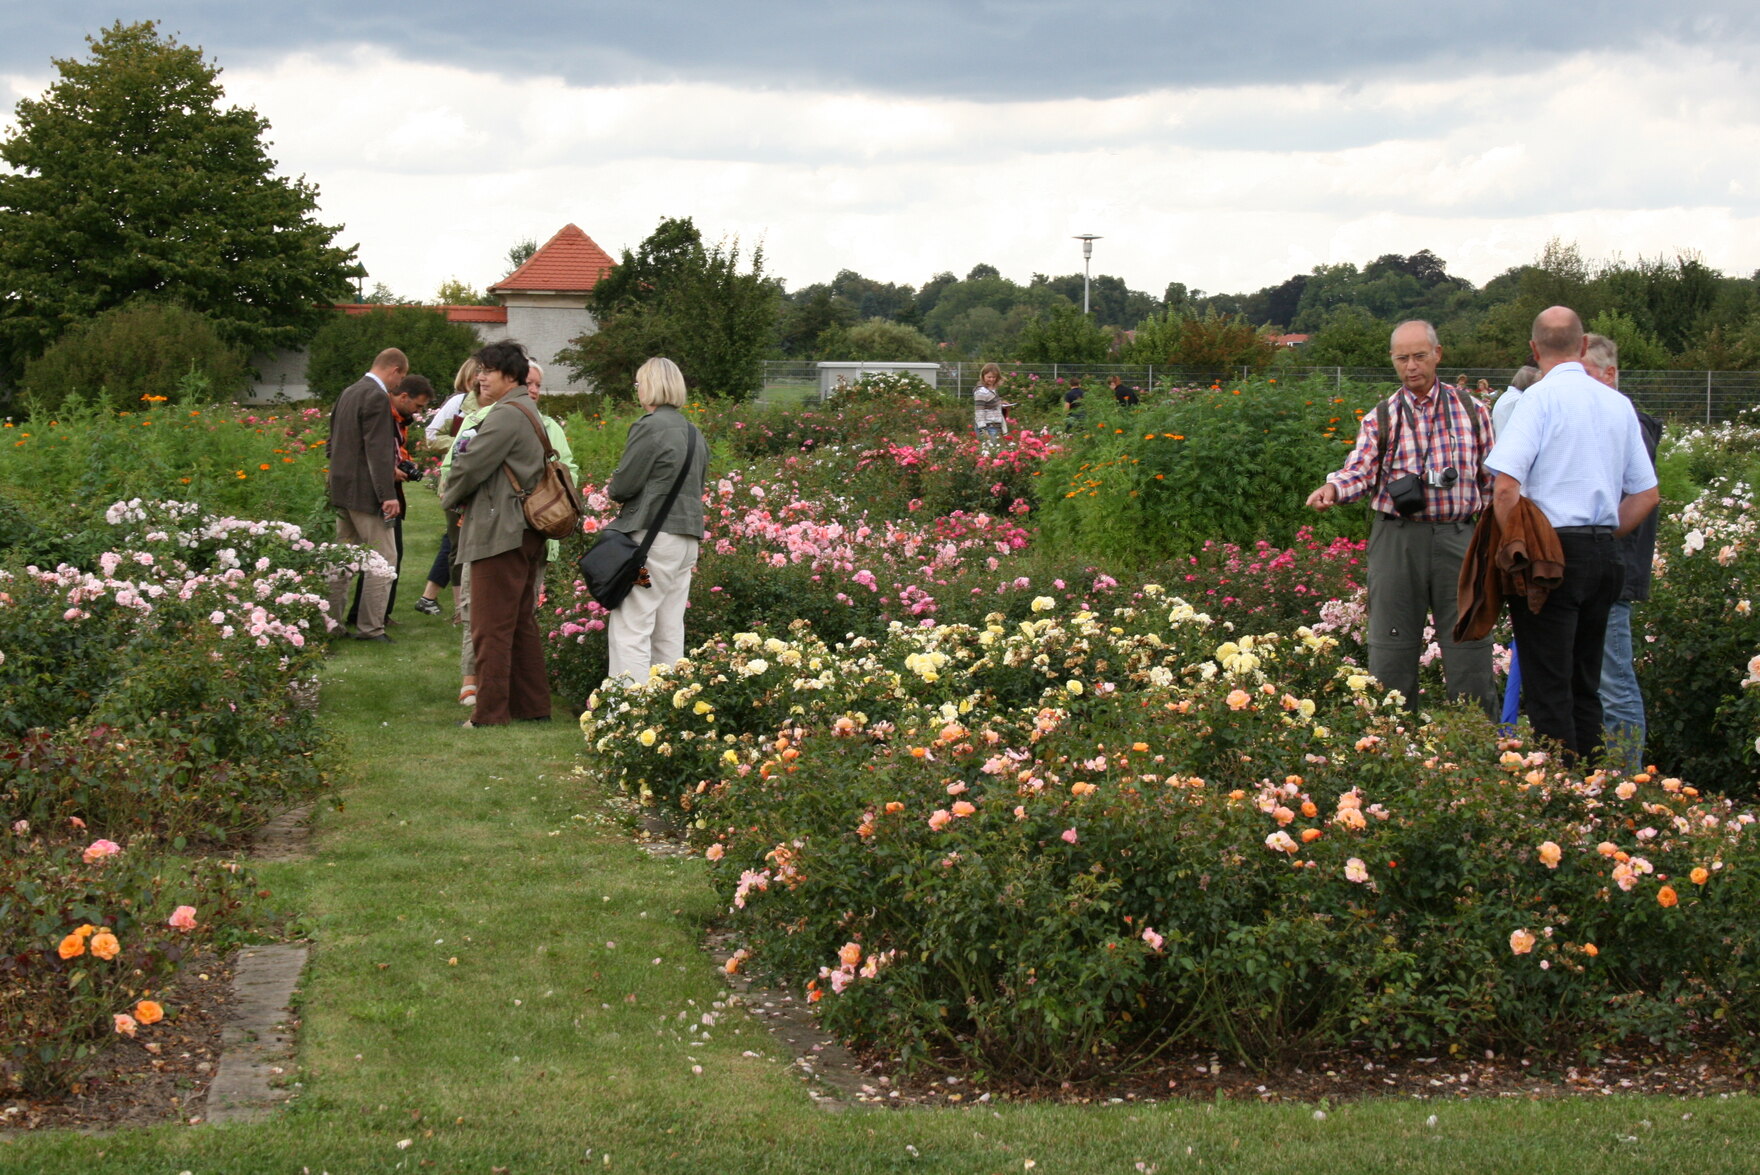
[1414, 357]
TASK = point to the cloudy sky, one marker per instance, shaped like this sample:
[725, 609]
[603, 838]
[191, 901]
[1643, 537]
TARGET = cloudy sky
[1223, 146]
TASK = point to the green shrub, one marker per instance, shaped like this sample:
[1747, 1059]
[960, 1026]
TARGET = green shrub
[1234, 464]
[132, 356]
[346, 345]
[1697, 642]
[67, 470]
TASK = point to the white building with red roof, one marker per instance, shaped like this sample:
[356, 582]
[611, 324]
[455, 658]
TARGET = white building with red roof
[546, 301]
[543, 305]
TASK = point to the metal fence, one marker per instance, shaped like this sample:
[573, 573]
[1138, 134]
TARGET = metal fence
[1703, 396]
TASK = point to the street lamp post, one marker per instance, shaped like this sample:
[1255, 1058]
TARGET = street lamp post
[1087, 240]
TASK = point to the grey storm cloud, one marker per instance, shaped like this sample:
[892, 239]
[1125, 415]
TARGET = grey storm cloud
[974, 49]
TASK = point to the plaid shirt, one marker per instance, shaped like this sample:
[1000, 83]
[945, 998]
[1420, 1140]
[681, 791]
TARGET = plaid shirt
[1444, 434]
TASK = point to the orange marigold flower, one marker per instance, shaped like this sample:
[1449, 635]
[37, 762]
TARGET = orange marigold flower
[1700, 875]
[148, 1012]
[72, 947]
[1666, 897]
[105, 946]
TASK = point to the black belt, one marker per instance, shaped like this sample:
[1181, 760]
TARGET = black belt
[1598, 531]
[1469, 519]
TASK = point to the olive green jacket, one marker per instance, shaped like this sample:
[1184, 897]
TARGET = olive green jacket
[475, 485]
[657, 443]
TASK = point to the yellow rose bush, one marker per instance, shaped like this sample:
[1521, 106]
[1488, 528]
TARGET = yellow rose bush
[1057, 845]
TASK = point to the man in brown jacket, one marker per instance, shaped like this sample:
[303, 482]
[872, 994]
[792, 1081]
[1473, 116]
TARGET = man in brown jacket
[363, 488]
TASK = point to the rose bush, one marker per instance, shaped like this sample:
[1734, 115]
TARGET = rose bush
[1060, 846]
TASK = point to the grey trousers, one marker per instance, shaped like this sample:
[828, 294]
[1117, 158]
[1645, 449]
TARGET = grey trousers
[1414, 573]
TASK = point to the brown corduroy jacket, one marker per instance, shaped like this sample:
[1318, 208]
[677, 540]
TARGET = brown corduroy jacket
[1526, 561]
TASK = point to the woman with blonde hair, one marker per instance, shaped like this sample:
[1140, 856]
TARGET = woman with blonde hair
[987, 414]
[647, 629]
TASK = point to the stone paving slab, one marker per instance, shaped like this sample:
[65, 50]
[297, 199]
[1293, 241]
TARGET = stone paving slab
[256, 1044]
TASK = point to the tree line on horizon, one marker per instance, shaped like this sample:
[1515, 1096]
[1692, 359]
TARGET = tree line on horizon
[1663, 312]
[148, 249]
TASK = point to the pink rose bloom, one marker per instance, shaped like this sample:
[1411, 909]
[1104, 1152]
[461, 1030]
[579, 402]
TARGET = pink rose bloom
[1521, 942]
[1069, 836]
[99, 849]
[940, 818]
[183, 918]
[962, 808]
[124, 1024]
[714, 852]
[1550, 854]
[1154, 940]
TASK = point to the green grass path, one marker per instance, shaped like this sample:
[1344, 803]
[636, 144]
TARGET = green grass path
[562, 1039]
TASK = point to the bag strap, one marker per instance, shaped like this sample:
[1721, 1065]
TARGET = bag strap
[659, 516]
[543, 439]
[1381, 429]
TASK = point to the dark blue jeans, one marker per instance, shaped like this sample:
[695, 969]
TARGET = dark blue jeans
[1560, 647]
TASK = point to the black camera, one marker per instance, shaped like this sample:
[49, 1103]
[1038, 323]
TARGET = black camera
[1407, 493]
[410, 470]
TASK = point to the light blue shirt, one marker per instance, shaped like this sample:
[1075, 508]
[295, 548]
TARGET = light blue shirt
[1504, 409]
[1574, 444]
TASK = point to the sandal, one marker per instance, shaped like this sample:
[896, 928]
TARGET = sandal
[467, 695]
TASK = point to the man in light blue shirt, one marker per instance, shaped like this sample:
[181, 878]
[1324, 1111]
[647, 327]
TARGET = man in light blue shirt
[1574, 449]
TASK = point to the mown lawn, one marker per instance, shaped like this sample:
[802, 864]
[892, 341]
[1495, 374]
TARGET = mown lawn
[562, 1038]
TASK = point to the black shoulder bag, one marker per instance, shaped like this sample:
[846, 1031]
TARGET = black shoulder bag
[614, 564]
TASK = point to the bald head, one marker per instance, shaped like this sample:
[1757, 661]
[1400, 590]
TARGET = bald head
[391, 365]
[1557, 337]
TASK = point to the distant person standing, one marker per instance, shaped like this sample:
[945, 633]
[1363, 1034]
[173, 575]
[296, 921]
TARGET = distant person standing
[1575, 450]
[1622, 702]
[363, 488]
[1123, 393]
[1073, 413]
[987, 417]
[1512, 395]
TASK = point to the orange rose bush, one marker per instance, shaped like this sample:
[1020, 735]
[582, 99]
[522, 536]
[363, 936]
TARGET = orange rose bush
[1062, 845]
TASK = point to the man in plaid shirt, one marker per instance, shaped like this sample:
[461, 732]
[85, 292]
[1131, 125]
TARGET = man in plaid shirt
[1441, 437]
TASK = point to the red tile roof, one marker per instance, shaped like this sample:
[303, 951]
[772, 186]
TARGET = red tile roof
[569, 263]
[453, 313]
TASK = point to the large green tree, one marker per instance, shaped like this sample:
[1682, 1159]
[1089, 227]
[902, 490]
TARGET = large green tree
[129, 179]
[693, 303]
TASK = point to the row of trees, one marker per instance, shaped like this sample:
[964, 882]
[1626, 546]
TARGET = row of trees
[1664, 312]
[138, 206]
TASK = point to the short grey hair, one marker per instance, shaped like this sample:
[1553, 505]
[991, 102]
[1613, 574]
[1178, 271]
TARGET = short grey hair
[1525, 378]
[1429, 331]
[1602, 352]
[659, 383]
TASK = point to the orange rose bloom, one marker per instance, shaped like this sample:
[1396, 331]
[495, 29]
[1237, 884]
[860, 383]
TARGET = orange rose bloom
[1591, 949]
[105, 946]
[1700, 875]
[73, 946]
[148, 1012]
[1666, 896]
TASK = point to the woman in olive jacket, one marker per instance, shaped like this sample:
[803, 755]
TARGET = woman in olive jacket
[648, 627]
[506, 556]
